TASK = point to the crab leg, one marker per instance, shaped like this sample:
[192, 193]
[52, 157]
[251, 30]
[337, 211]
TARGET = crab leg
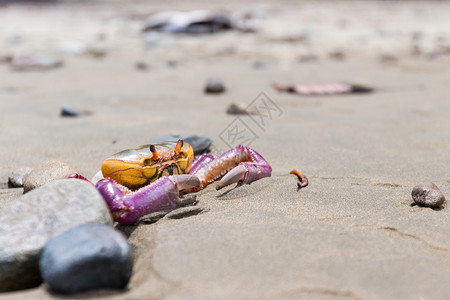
[241, 165]
[200, 162]
[127, 206]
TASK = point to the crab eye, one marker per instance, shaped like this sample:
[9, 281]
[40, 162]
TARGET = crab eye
[153, 150]
[179, 146]
[147, 161]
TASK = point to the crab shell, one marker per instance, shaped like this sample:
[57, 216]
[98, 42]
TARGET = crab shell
[135, 168]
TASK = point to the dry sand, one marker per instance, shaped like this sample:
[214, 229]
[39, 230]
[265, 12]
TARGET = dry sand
[351, 234]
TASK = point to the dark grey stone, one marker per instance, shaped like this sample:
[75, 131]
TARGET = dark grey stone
[68, 111]
[31, 220]
[427, 195]
[141, 66]
[87, 257]
[214, 86]
[199, 143]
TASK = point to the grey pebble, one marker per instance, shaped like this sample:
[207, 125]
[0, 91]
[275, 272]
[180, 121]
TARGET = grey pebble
[30, 221]
[236, 109]
[68, 111]
[214, 86]
[199, 143]
[141, 66]
[427, 195]
[45, 173]
[153, 217]
[87, 257]
[17, 177]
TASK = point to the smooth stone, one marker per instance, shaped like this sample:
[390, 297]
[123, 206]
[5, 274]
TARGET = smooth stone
[236, 109]
[68, 111]
[31, 220]
[214, 86]
[87, 257]
[427, 195]
[45, 173]
[17, 177]
[141, 66]
[199, 143]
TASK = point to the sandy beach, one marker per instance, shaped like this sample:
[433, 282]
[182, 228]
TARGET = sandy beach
[350, 234]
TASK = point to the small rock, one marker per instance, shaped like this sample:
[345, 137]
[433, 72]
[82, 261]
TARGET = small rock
[141, 66]
[199, 143]
[35, 62]
[214, 86]
[30, 221]
[45, 173]
[234, 109]
[67, 111]
[17, 177]
[427, 195]
[87, 257]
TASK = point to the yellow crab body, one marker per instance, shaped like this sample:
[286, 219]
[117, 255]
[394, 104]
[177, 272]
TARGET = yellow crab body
[135, 168]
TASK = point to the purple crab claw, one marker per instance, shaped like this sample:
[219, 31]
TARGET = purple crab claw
[164, 194]
[238, 165]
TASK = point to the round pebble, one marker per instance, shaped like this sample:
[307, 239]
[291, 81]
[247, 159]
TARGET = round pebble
[17, 177]
[68, 111]
[87, 257]
[141, 66]
[214, 86]
[427, 195]
[46, 172]
[30, 221]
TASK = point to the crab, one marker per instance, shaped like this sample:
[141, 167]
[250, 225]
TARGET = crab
[159, 177]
